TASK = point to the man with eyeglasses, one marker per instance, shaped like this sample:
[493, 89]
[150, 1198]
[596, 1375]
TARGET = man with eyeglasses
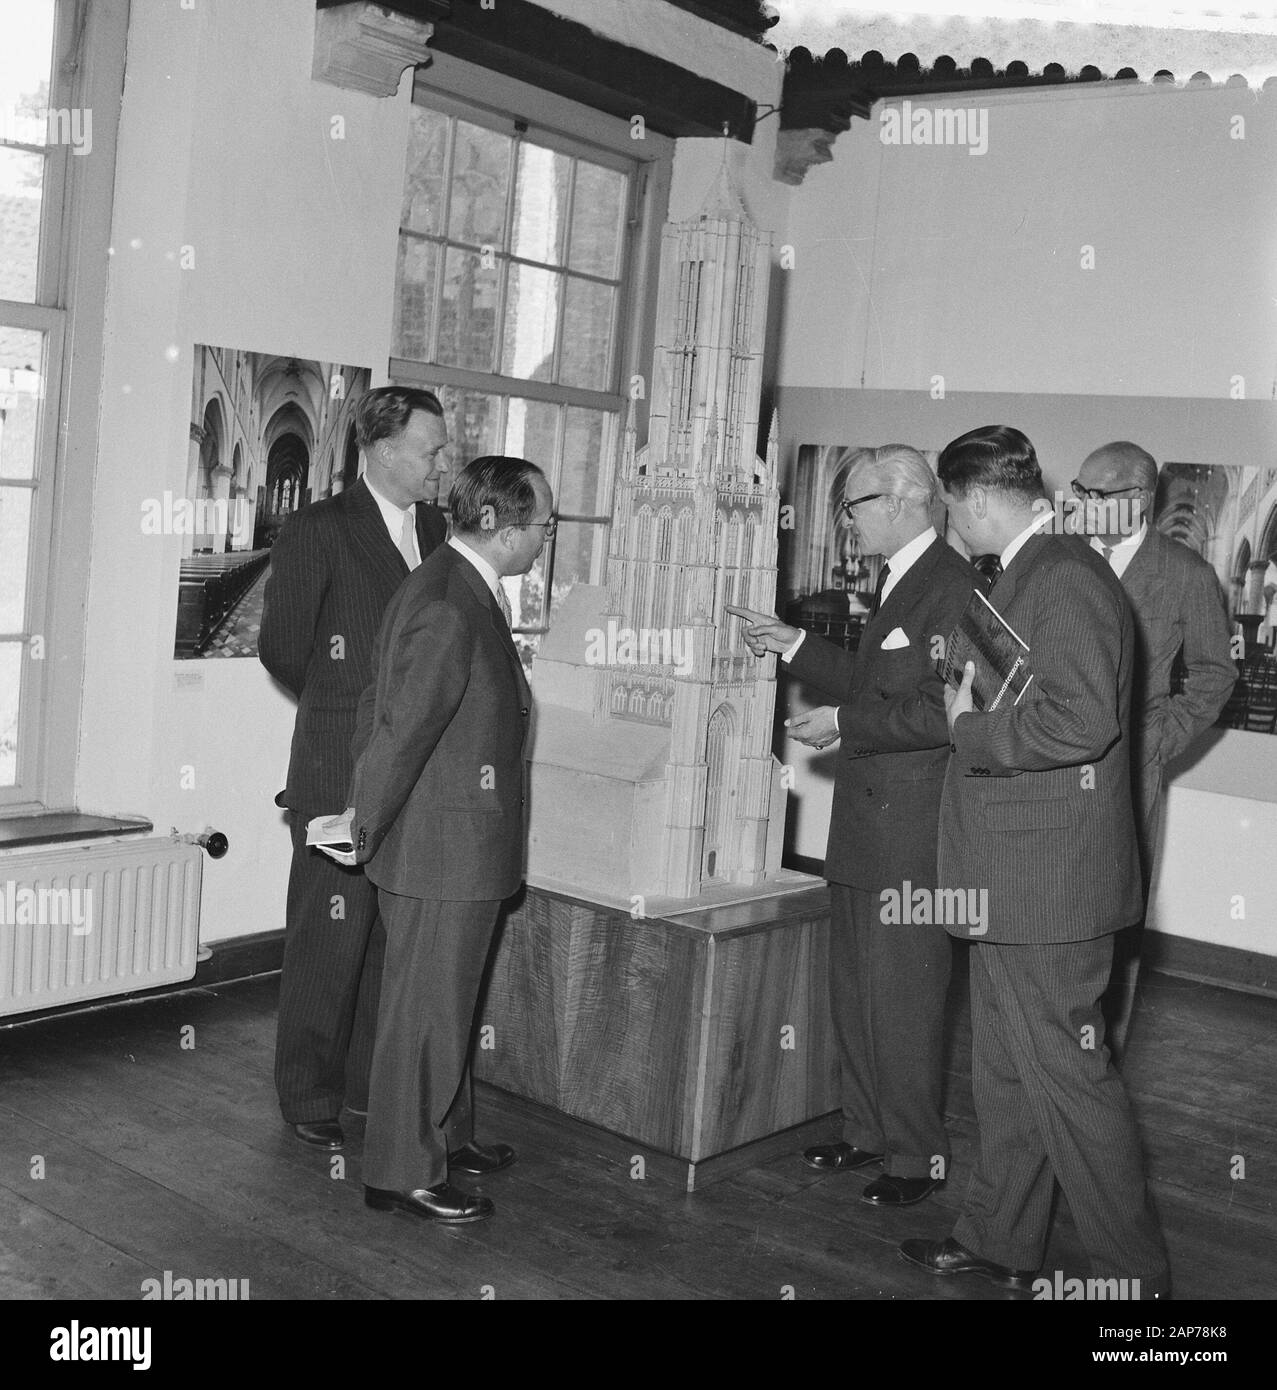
[437, 819]
[888, 971]
[1179, 617]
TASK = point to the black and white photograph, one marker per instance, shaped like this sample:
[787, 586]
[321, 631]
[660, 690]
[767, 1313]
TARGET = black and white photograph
[638, 662]
[269, 434]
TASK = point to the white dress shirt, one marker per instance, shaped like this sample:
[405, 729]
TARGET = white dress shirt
[393, 517]
[490, 576]
[1121, 554]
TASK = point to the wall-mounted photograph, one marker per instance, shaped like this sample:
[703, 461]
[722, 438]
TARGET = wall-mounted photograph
[1227, 513]
[268, 434]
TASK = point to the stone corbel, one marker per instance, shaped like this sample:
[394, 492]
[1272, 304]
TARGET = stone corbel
[798, 150]
[366, 47]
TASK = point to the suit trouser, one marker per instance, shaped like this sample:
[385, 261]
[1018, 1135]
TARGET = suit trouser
[1049, 1106]
[328, 990]
[887, 987]
[1128, 944]
[419, 1099]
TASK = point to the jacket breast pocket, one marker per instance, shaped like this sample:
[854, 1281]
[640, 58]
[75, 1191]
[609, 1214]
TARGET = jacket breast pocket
[897, 670]
[1055, 814]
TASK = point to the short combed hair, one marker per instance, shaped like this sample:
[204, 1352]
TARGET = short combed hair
[898, 469]
[384, 413]
[997, 457]
[492, 492]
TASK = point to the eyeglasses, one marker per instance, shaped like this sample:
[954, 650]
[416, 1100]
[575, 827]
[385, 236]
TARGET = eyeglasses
[856, 501]
[1097, 494]
[549, 527]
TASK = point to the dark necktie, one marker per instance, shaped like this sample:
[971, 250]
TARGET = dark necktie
[988, 565]
[881, 585]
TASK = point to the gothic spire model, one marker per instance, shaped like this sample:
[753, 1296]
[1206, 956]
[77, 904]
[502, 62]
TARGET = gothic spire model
[654, 722]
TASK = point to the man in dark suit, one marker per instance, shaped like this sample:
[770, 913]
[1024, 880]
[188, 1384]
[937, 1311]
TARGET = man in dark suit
[888, 972]
[333, 569]
[437, 816]
[1037, 813]
[1179, 614]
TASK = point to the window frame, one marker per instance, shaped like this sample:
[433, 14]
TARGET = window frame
[515, 108]
[86, 72]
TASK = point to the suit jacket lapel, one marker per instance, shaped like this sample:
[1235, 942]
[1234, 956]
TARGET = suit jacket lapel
[369, 533]
[1003, 591]
[904, 594]
[1148, 564]
[432, 528]
[495, 616]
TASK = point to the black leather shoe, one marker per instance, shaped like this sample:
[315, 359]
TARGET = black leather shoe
[320, 1134]
[949, 1257]
[441, 1203]
[838, 1158]
[481, 1159]
[888, 1191]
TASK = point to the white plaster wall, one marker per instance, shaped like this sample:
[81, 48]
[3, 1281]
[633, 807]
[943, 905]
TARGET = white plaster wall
[915, 262]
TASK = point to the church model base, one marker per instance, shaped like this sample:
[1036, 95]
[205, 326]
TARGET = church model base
[692, 1035]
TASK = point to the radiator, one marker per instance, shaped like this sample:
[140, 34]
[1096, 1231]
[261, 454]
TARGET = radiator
[86, 921]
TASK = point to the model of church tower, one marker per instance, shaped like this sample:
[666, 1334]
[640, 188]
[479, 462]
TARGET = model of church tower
[652, 771]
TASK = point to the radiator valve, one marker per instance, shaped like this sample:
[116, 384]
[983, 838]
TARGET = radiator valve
[212, 840]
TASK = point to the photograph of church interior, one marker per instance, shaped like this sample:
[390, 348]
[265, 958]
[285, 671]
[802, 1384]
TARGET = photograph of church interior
[699, 261]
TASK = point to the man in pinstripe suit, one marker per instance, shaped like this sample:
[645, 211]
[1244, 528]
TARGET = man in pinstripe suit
[333, 571]
[1037, 811]
[1179, 613]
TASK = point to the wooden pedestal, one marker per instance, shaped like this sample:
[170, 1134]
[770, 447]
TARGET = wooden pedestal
[693, 1036]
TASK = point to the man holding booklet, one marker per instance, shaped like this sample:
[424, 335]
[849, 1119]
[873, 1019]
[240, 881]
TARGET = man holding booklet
[888, 969]
[1037, 810]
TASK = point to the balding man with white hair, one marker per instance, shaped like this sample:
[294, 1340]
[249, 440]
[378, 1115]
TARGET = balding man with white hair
[1179, 613]
[889, 953]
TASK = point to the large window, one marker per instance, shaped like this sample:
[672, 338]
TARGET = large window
[61, 71]
[514, 298]
[34, 147]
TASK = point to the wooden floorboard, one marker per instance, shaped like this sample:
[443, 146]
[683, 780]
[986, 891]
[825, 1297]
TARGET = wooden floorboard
[159, 1157]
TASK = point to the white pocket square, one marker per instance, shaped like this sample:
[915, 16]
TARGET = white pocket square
[894, 640]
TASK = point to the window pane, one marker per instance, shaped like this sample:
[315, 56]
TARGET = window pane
[597, 225]
[10, 691]
[21, 360]
[531, 432]
[526, 593]
[15, 528]
[575, 544]
[467, 329]
[540, 204]
[531, 316]
[473, 420]
[587, 457]
[21, 177]
[480, 181]
[423, 196]
[28, 61]
[415, 301]
[587, 334]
